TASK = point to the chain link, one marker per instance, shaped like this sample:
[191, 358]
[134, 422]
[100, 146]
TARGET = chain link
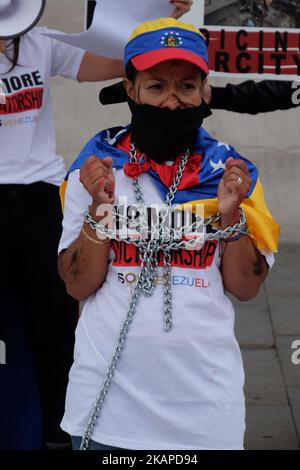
[149, 250]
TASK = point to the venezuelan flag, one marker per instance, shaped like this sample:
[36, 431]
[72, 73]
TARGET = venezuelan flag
[200, 181]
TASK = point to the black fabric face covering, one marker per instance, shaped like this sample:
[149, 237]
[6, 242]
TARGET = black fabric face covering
[164, 134]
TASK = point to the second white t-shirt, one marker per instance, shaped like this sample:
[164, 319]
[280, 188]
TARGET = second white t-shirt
[27, 134]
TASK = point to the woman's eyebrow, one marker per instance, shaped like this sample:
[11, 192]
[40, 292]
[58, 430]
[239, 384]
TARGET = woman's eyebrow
[155, 78]
[179, 80]
[188, 78]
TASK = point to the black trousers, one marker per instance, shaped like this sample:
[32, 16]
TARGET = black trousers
[31, 219]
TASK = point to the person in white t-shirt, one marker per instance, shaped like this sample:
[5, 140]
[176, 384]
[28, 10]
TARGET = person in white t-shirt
[30, 175]
[156, 362]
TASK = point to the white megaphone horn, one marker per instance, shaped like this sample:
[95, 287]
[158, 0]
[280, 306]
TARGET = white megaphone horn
[17, 17]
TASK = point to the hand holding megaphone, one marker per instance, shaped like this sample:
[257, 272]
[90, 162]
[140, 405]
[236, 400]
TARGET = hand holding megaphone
[17, 17]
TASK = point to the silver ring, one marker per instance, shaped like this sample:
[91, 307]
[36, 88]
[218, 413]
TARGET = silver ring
[239, 181]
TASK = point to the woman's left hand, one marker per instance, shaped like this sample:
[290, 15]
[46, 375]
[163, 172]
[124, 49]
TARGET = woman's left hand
[181, 7]
[233, 188]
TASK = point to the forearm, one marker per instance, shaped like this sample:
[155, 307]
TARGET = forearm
[96, 68]
[243, 267]
[252, 98]
[83, 266]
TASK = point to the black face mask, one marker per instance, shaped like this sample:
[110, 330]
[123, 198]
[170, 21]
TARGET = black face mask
[164, 134]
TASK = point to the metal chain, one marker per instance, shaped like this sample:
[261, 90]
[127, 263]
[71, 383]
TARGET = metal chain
[149, 251]
[145, 284]
[170, 241]
[153, 247]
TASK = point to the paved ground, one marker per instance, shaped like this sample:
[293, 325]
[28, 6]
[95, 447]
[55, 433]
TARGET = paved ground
[266, 328]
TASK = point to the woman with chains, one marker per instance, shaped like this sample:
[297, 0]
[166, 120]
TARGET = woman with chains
[156, 363]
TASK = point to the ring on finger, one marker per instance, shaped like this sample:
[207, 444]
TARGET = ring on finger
[239, 180]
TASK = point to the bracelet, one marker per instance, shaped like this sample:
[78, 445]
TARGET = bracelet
[236, 237]
[93, 240]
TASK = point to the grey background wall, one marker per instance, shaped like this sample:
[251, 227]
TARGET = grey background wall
[270, 140]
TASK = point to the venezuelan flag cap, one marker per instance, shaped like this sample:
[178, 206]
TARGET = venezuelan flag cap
[164, 39]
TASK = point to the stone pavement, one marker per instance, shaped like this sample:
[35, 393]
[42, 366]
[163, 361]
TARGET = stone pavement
[266, 328]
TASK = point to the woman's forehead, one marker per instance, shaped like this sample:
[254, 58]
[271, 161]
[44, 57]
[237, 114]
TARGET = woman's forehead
[171, 67]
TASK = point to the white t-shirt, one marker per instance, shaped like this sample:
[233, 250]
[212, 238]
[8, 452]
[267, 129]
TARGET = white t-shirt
[27, 134]
[181, 389]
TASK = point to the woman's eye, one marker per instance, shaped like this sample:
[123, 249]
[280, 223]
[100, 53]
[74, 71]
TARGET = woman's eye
[156, 86]
[188, 86]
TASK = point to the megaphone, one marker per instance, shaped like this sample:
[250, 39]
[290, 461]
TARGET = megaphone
[17, 17]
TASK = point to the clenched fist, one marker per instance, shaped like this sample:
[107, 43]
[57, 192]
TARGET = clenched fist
[233, 187]
[98, 178]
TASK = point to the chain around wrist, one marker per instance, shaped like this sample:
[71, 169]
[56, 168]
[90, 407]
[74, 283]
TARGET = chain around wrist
[94, 224]
[92, 210]
[227, 220]
[241, 227]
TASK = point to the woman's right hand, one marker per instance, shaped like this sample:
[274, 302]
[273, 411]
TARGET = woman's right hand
[98, 178]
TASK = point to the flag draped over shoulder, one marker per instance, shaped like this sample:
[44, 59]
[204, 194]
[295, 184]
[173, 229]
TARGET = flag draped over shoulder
[199, 184]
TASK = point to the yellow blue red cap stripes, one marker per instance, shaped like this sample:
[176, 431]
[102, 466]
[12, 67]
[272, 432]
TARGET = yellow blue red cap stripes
[164, 39]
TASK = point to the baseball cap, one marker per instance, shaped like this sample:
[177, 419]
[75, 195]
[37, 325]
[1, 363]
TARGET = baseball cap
[164, 39]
